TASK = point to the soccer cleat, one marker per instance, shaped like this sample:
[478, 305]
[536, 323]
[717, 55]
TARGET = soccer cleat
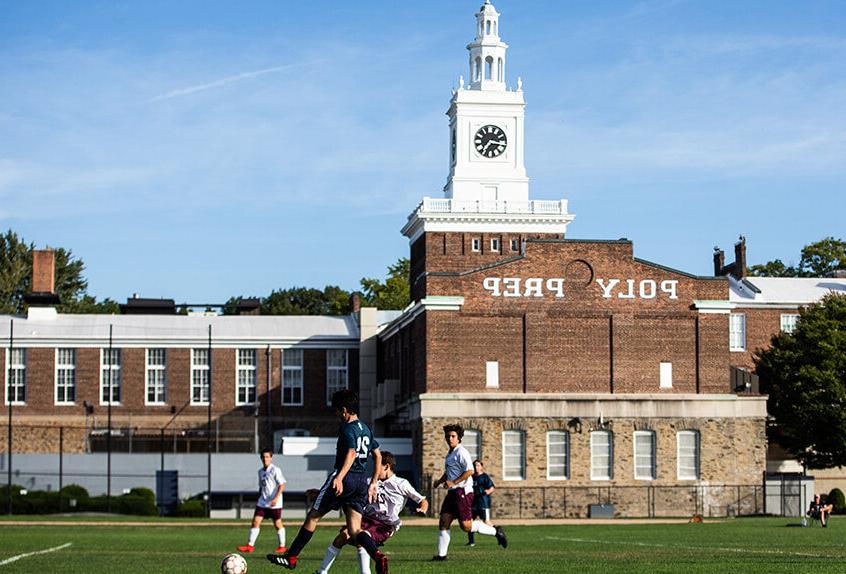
[280, 550]
[438, 558]
[381, 563]
[470, 544]
[246, 548]
[289, 562]
[501, 538]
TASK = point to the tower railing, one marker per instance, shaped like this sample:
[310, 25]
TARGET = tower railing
[536, 207]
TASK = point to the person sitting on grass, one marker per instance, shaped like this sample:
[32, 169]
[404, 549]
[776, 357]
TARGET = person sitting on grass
[820, 510]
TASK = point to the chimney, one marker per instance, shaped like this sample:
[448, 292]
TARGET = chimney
[355, 302]
[739, 269]
[719, 261]
[43, 271]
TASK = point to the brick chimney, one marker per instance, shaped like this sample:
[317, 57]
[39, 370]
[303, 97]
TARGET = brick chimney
[43, 272]
[739, 267]
[719, 261]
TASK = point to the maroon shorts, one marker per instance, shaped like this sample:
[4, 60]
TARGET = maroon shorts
[458, 504]
[274, 513]
[378, 530]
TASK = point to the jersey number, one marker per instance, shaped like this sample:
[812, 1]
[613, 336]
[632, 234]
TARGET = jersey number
[362, 447]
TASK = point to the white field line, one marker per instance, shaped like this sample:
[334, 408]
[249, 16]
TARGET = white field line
[19, 556]
[724, 548]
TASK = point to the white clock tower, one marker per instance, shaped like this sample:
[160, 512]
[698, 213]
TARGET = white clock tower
[487, 190]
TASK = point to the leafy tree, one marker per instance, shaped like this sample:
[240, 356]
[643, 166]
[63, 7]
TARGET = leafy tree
[818, 260]
[804, 373]
[15, 272]
[774, 268]
[332, 300]
[394, 293]
[88, 304]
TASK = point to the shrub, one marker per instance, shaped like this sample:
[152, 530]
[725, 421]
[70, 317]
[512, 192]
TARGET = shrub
[136, 505]
[144, 493]
[836, 498]
[74, 491]
[191, 508]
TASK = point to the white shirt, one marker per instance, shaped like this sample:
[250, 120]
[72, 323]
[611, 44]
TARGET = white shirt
[457, 462]
[270, 479]
[391, 496]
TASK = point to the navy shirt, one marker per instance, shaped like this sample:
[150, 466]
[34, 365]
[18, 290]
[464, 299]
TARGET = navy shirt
[357, 436]
[481, 483]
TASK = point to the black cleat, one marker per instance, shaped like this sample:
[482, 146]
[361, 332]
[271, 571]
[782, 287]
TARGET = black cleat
[381, 563]
[285, 560]
[501, 538]
[438, 558]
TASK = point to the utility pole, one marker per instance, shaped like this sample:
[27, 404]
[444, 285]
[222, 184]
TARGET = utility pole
[10, 401]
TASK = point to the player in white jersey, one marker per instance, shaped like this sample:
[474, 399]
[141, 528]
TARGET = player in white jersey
[271, 484]
[381, 519]
[458, 503]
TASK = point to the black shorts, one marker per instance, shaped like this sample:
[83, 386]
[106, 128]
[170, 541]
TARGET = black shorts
[354, 495]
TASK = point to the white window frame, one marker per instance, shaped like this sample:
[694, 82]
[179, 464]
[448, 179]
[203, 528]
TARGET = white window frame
[737, 332]
[294, 380]
[17, 360]
[114, 369]
[665, 377]
[246, 376]
[155, 376]
[495, 244]
[200, 373]
[683, 473]
[69, 378]
[343, 372]
[512, 438]
[788, 322]
[557, 437]
[476, 244]
[608, 453]
[650, 465]
[474, 445]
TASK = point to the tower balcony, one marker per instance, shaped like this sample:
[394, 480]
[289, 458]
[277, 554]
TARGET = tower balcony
[533, 207]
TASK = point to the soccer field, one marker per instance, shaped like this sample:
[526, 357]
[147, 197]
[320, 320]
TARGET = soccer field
[742, 545]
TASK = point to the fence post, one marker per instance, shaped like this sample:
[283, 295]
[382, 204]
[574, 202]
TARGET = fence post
[61, 463]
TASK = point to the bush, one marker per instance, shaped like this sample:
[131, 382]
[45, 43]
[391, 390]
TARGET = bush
[144, 493]
[836, 498]
[136, 505]
[191, 508]
[74, 491]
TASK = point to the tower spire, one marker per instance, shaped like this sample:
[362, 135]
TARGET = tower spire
[487, 52]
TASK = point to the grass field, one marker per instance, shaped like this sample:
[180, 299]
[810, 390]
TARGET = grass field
[743, 545]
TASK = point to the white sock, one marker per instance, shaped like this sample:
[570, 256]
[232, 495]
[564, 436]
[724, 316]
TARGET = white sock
[254, 532]
[328, 558]
[281, 534]
[363, 561]
[443, 542]
[482, 528]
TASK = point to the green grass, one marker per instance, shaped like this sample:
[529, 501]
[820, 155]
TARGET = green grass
[742, 545]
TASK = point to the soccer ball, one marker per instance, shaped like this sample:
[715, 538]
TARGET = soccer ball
[233, 564]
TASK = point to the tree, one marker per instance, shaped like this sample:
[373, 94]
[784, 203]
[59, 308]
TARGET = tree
[299, 301]
[394, 293]
[804, 373]
[818, 260]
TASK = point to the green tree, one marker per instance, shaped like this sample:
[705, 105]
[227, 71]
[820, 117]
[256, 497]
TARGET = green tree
[818, 260]
[88, 304]
[775, 268]
[394, 292]
[804, 374]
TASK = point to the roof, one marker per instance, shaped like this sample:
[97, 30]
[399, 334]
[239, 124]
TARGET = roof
[783, 290]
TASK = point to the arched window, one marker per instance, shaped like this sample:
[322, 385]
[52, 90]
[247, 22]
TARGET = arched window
[478, 73]
[494, 27]
[499, 70]
[488, 28]
[489, 68]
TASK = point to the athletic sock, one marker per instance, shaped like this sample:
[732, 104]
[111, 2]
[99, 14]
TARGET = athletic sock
[254, 532]
[443, 542]
[470, 538]
[328, 558]
[363, 561]
[281, 534]
[482, 528]
[303, 536]
[364, 540]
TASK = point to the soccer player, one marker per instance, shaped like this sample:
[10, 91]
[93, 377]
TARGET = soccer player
[458, 502]
[346, 486]
[271, 484]
[381, 519]
[483, 486]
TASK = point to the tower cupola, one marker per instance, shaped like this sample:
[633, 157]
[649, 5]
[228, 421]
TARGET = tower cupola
[487, 52]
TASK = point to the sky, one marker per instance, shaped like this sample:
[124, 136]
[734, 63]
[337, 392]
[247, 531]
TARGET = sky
[199, 150]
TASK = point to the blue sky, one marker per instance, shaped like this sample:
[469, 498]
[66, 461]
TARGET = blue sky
[199, 150]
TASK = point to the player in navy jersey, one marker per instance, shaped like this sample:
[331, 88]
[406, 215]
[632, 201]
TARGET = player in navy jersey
[483, 486]
[346, 486]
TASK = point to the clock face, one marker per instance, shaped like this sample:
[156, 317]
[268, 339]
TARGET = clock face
[490, 141]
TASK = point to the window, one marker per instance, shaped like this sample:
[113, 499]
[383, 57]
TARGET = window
[644, 455]
[601, 455]
[788, 322]
[200, 370]
[737, 332]
[513, 455]
[292, 377]
[666, 376]
[489, 68]
[688, 455]
[16, 377]
[337, 375]
[492, 374]
[478, 75]
[495, 245]
[472, 441]
[65, 376]
[515, 245]
[246, 377]
[156, 380]
[488, 27]
[557, 455]
[476, 244]
[109, 376]
[499, 70]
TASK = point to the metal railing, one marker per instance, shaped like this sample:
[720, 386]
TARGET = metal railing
[536, 207]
